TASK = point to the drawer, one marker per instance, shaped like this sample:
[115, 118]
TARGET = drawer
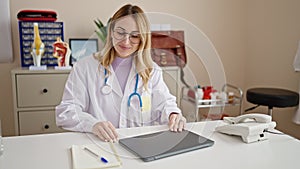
[36, 90]
[37, 122]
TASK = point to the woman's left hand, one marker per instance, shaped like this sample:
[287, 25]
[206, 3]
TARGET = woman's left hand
[176, 122]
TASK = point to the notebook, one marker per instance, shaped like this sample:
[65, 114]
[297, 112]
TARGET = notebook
[93, 156]
[163, 144]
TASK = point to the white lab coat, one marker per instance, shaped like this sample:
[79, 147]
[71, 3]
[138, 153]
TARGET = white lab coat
[83, 103]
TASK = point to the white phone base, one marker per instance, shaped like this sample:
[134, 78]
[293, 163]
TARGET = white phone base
[249, 131]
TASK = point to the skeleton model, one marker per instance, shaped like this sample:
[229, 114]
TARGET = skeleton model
[62, 52]
[38, 47]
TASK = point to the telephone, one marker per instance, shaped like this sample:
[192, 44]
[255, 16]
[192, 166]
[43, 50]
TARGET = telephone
[251, 127]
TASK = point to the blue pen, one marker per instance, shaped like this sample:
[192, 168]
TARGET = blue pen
[96, 155]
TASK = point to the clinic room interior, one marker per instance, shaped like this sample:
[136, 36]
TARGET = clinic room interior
[256, 42]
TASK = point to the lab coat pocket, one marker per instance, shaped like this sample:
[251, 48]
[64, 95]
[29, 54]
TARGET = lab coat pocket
[139, 110]
[138, 118]
[134, 118]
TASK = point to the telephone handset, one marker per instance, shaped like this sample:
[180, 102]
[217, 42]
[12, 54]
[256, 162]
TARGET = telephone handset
[251, 127]
[259, 118]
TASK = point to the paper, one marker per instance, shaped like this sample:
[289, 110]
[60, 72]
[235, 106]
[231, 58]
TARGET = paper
[146, 100]
[296, 118]
[296, 63]
[82, 159]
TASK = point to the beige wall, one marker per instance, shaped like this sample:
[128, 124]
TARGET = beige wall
[256, 40]
[273, 33]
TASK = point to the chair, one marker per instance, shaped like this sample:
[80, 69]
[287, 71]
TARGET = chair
[272, 97]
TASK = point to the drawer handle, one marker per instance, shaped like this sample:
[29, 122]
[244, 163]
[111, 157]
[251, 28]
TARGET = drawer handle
[45, 90]
[46, 126]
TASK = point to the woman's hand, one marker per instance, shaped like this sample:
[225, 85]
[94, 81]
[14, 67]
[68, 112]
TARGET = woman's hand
[176, 122]
[105, 131]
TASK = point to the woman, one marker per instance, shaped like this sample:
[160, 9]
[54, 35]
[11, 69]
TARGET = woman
[121, 87]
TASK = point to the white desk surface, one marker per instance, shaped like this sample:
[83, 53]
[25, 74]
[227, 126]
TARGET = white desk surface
[228, 152]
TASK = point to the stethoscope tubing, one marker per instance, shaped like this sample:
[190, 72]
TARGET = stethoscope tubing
[135, 93]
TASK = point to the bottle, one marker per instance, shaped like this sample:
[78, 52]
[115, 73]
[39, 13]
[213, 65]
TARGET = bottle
[213, 97]
[199, 92]
[206, 94]
[230, 97]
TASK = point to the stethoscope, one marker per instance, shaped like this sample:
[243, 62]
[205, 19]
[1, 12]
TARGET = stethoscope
[106, 89]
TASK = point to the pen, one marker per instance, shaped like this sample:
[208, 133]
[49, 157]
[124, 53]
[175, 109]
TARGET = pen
[96, 155]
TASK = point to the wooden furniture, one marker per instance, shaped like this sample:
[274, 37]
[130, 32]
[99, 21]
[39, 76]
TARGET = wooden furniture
[36, 93]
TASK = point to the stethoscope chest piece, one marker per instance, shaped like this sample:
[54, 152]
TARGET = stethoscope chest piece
[106, 89]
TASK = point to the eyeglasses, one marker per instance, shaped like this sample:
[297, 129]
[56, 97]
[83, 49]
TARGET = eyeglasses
[120, 34]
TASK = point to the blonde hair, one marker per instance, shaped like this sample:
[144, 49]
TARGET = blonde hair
[142, 59]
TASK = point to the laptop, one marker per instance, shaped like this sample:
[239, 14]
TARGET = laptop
[163, 144]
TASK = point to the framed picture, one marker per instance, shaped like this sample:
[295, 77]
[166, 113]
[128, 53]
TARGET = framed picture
[81, 48]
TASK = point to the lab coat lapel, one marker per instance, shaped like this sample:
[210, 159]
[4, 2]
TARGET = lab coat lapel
[114, 83]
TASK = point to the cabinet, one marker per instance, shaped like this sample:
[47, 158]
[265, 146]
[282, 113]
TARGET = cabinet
[190, 95]
[171, 77]
[36, 93]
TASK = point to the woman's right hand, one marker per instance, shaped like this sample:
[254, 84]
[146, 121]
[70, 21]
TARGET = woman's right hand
[105, 131]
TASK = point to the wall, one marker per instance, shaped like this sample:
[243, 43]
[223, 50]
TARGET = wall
[227, 23]
[273, 32]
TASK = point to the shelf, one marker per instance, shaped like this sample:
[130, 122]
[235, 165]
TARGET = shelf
[189, 95]
[49, 32]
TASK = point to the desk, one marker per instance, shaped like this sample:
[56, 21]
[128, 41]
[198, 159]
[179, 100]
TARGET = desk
[52, 151]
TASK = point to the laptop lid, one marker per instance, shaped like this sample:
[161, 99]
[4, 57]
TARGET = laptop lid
[163, 144]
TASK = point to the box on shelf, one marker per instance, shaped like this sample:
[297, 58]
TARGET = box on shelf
[49, 32]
